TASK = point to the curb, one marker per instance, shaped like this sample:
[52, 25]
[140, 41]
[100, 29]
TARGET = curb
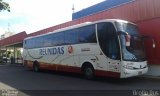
[151, 77]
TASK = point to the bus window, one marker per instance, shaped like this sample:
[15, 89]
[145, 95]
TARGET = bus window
[87, 34]
[71, 37]
[48, 40]
[57, 39]
[108, 40]
[30, 43]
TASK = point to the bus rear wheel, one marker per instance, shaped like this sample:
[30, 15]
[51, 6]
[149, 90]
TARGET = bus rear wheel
[36, 66]
[88, 72]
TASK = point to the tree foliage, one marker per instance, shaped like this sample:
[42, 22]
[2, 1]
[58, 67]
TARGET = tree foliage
[4, 6]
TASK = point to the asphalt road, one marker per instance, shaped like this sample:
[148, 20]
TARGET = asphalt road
[15, 77]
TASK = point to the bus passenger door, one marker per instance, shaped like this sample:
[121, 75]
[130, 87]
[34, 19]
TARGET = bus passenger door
[109, 58]
[113, 54]
[109, 45]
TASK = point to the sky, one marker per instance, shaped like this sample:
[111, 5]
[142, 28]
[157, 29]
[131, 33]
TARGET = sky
[34, 15]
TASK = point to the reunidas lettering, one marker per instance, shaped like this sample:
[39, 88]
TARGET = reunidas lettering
[52, 51]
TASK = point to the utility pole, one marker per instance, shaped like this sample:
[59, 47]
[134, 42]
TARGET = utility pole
[73, 8]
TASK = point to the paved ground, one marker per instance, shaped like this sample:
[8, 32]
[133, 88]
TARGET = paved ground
[15, 77]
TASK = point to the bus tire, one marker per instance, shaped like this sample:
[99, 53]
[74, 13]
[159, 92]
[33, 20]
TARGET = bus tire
[88, 71]
[36, 66]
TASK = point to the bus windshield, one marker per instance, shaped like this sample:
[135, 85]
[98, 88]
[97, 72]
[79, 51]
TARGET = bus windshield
[131, 42]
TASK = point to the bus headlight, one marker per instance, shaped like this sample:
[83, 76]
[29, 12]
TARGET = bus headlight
[128, 67]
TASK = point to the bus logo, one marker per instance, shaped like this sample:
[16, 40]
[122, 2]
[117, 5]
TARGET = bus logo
[70, 49]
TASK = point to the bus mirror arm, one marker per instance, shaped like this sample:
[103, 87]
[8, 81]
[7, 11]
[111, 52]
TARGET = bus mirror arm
[153, 41]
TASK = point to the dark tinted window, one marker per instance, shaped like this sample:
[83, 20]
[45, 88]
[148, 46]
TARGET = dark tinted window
[58, 39]
[38, 42]
[53, 39]
[108, 40]
[87, 34]
[71, 36]
[30, 43]
[47, 42]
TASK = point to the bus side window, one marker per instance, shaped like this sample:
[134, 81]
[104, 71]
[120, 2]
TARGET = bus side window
[59, 38]
[71, 37]
[87, 34]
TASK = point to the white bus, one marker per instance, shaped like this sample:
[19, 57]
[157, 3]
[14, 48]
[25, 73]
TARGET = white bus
[110, 47]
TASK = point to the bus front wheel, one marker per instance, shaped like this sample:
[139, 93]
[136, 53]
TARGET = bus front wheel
[88, 72]
[36, 66]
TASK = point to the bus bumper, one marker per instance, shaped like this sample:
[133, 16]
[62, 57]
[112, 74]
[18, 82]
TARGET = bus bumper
[130, 73]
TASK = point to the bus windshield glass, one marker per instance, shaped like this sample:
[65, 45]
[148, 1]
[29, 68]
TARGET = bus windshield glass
[131, 42]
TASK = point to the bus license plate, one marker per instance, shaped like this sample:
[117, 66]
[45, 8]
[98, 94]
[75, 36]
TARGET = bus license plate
[140, 73]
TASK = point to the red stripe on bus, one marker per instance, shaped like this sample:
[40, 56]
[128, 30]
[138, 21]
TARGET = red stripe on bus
[107, 73]
[65, 68]
[55, 67]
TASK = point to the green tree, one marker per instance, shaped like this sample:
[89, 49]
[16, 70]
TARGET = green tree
[4, 6]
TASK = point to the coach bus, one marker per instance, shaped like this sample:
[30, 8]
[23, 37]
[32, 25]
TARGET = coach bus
[109, 47]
